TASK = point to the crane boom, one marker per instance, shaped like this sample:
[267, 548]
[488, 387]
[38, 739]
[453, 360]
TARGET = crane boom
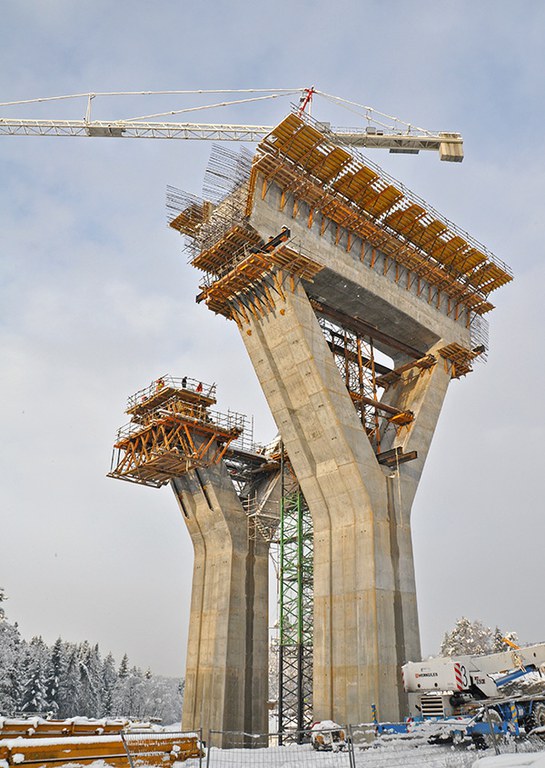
[449, 145]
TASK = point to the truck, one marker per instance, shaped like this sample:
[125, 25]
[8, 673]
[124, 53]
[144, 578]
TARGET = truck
[491, 693]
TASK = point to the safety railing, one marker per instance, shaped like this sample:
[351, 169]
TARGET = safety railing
[180, 382]
[223, 421]
[326, 748]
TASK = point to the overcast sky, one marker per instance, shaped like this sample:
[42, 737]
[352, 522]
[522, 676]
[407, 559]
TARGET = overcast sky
[97, 298]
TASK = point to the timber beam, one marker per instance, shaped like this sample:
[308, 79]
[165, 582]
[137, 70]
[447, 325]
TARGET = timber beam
[395, 414]
[393, 376]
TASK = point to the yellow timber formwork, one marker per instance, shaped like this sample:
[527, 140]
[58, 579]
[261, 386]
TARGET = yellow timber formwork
[458, 359]
[344, 194]
[172, 430]
[303, 162]
[255, 275]
[37, 727]
[192, 217]
[149, 749]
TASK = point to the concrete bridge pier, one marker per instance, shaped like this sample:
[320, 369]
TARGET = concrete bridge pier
[227, 653]
[366, 621]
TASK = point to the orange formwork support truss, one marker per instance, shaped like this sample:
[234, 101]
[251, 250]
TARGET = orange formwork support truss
[171, 432]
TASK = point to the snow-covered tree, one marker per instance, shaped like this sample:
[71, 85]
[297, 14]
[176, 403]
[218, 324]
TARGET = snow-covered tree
[33, 699]
[55, 673]
[69, 680]
[109, 680]
[124, 667]
[129, 692]
[10, 691]
[467, 637]
[69, 684]
[90, 681]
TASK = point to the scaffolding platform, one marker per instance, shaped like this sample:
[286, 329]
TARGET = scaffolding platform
[172, 430]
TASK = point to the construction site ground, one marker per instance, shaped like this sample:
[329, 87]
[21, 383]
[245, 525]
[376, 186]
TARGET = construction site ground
[174, 749]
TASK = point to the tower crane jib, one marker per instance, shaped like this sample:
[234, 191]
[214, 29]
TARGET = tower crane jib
[380, 132]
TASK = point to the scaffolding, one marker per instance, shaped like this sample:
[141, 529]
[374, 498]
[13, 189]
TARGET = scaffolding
[354, 192]
[296, 606]
[344, 194]
[172, 430]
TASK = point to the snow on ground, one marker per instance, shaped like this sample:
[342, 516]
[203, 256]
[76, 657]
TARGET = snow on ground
[536, 760]
[397, 753]
[306, 757]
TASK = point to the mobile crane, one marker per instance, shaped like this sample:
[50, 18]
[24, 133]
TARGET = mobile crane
[478, 694]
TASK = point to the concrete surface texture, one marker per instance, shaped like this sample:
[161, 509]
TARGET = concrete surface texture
[227, 653]
[365, 615]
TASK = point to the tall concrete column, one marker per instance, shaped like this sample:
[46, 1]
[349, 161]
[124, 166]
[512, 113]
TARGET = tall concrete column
[423, 393]
[366, 619]
[227, 651]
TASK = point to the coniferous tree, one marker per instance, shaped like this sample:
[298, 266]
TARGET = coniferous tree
[69, 684]
[33, 700]
[10, 643]
[498, 643]
[136, 693]
[95, 675]
[89, 704]
[55, 673]
[69, 680]
[121, 694]
[109, 680]
[124, 667]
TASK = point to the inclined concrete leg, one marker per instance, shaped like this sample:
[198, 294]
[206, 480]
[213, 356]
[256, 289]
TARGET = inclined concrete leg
[228, 616]
[265, 491]
[424, 395]
[365, 620]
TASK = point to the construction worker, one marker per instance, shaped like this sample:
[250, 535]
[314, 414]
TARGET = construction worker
[199, 387]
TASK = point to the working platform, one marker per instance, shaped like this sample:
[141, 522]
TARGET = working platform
[172, 430]
[388, 235]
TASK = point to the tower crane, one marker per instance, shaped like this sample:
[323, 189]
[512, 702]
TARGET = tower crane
[381, 131]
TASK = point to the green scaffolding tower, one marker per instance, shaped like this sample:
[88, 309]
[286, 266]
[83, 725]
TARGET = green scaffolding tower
[296, 607]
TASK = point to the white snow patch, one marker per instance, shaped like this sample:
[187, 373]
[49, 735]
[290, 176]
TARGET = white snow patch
[326, 725]
[517, 760]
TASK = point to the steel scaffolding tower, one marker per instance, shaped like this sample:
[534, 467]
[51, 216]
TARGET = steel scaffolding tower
[296, 606]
